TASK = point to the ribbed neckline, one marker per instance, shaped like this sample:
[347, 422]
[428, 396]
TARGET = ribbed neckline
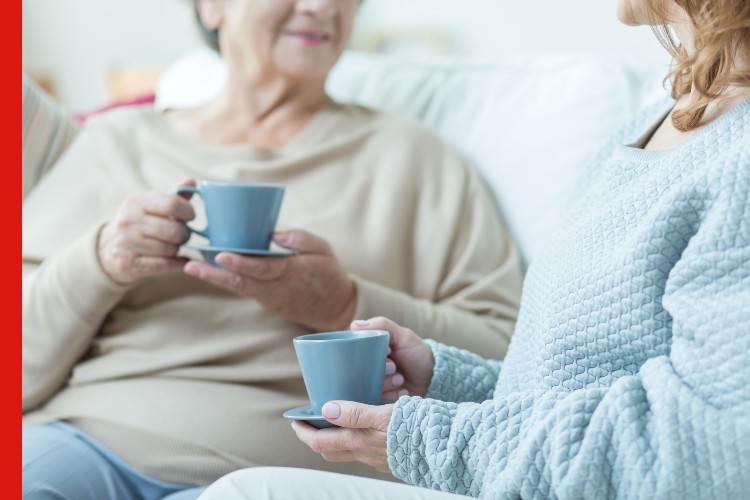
[633, 154]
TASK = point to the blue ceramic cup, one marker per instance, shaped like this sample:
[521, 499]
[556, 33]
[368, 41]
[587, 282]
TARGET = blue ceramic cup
[239, 216]
[347, 365]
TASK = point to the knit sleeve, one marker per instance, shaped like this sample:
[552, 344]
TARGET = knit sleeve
[678, 428]
[460, 375]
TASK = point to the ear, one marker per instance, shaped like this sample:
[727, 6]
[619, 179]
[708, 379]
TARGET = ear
[212, 13]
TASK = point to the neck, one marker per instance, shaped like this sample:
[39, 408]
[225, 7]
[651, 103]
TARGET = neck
[261, 100]
[261, 110]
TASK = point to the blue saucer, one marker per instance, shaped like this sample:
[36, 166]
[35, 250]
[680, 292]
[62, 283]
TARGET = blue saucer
[209, 253]
[313, 418]
[307, 414]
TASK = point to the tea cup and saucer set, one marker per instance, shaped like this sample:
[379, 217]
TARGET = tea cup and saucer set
[241, 218]
[345, 366]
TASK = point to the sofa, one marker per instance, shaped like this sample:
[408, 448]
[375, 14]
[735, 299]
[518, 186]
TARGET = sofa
[529, 125]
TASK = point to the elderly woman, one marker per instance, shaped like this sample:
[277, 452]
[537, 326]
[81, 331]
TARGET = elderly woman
[147, 372]
[627, 376]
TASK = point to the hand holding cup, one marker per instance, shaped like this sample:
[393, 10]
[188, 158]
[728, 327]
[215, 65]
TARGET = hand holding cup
[311, 288]
[410, 361]
[144, 236]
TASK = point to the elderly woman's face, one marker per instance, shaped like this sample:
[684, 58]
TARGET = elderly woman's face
[300, 38]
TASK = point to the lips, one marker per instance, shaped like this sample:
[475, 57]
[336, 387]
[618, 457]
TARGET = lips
[310, 36]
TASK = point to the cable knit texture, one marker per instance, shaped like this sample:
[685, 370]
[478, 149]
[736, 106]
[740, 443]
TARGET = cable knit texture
[627, 376]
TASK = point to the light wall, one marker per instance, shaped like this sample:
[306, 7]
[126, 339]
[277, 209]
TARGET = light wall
[499, 27]
[75, 41]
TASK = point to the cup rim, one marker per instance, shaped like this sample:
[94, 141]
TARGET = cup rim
[241, 184]
[315, 337]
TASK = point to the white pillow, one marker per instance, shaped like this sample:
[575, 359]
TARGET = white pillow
[528, 125]
[191, 80]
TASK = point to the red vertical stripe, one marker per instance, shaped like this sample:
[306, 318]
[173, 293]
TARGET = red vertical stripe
[10, 132]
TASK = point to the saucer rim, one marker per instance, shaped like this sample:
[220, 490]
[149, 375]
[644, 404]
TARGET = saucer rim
[298, 410]
[242, 251]
[316, 417]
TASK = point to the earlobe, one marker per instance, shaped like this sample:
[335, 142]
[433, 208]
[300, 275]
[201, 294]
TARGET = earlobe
[212, 13]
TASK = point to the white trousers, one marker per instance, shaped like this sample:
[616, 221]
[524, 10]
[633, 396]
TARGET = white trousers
[272, 483]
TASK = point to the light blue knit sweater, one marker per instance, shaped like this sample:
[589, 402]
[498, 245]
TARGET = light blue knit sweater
[629, 372]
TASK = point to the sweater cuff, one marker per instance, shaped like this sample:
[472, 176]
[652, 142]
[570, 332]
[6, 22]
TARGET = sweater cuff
[461, 376]
[418, 426]
[400, 446]
[88, 289]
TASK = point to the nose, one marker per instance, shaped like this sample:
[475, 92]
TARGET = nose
[317, 8]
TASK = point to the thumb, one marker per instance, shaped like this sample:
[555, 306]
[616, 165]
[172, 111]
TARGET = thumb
[356, 415]
[302, 242]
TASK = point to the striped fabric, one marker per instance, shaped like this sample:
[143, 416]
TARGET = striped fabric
[48, 128]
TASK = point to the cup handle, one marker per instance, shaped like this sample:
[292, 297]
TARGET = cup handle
[193, 190]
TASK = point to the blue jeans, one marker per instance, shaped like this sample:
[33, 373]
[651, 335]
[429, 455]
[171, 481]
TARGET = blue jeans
[61, 462]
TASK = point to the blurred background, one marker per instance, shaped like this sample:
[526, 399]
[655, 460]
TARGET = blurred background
[89, 53]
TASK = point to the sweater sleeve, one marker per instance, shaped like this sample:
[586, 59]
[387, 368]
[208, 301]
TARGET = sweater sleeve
[460, 375]
[65, 294]
[65, 301]
[678, 428]
[474, 302]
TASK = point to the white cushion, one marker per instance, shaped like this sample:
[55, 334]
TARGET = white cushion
[529, 126]
[191, 80]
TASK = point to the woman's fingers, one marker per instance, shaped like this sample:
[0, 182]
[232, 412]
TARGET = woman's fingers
[390, 367]
[393, 395]
[257, 268]
[395, 381]
[166, 230]
[326, 441]
[339, 456]
[221, 278]
[166, 205]
[159, 265]
[302, 242]
[149, 247]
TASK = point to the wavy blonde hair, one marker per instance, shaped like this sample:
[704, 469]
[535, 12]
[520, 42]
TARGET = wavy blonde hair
[722, 33]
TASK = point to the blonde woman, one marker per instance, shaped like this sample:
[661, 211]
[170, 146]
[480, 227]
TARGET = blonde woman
[627, 375]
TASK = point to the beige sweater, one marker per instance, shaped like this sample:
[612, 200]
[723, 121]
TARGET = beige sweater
[187, 382]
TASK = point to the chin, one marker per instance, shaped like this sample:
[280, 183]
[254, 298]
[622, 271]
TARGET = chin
[307, 74]
[306, 69]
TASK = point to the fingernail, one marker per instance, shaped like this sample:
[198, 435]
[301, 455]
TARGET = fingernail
[397, 380]
[281, 236]
[331, 410]
[390, 368]
[403, 392]
[361, 322]
[224, 259]
[192, 269]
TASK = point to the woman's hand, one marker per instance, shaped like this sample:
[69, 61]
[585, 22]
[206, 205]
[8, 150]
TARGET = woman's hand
[144, 237]
[362, 435]
[410, 363]
[311, 288]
